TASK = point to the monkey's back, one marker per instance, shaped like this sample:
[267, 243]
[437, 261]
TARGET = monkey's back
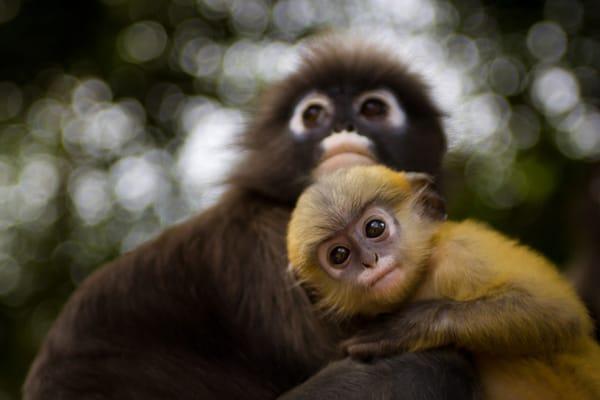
[571, 375]
[151, 324]
[476, 261]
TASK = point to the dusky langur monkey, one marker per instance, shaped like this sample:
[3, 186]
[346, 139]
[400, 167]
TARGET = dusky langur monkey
[371, 241]
[205, 311]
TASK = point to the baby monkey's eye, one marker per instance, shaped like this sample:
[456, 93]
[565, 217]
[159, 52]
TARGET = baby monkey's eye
[339, 254]
[374, 228]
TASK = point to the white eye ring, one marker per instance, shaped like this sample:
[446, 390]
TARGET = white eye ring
[311, 99]
[396, 117]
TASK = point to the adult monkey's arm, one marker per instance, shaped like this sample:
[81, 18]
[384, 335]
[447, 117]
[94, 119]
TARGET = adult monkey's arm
[431, 375]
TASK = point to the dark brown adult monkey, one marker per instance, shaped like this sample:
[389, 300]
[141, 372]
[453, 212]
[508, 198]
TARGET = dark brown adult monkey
[205, 311]
[371, 241]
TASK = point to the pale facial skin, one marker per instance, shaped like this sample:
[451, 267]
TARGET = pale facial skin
[366, 252]
[346, 147]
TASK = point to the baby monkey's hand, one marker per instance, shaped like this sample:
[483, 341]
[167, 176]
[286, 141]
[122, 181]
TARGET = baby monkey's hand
[413, 328]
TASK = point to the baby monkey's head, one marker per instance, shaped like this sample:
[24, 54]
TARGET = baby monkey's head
[361, 237]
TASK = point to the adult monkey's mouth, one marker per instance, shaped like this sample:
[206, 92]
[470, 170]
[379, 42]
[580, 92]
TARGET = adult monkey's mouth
[343, 150]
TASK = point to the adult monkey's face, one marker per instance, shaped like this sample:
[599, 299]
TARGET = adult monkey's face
[346, 104]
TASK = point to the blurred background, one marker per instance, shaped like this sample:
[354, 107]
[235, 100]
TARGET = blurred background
[116, 115]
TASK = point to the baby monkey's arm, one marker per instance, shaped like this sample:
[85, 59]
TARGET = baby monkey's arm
[487, 295]
[509, 322]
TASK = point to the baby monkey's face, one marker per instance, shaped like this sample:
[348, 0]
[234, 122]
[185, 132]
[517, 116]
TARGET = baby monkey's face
[366, 252]
[362, 237]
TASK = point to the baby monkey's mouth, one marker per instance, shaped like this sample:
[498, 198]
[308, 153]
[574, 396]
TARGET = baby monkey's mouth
[385, 279]
[379, 274]
[343, 150]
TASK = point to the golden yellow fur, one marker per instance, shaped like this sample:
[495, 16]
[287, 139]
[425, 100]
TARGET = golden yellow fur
[510, 307]
[338, 208]
[462, 269]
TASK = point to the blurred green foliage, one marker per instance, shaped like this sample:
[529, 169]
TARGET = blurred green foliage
[115, 116]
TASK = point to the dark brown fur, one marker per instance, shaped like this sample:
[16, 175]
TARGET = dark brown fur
[207, 309]
[158, 319]
[349, 70]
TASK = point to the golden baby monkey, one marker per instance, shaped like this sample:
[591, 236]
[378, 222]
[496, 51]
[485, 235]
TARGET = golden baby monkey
[371, 241]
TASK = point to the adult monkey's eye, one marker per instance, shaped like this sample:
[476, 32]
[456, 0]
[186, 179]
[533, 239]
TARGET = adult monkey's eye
[338, 255]
[374, 228]
[313, 111]
[312, 116]
[374, 108]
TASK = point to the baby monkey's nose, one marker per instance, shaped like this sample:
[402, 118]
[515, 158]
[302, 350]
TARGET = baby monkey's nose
[369, 260]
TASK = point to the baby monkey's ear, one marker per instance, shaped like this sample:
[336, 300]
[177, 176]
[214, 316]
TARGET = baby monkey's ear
[424, 188]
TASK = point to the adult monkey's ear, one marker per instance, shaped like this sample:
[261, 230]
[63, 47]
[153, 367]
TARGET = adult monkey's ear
[423, 186]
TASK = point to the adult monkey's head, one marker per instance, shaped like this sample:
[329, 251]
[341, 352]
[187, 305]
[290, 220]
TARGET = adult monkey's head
[347, 103]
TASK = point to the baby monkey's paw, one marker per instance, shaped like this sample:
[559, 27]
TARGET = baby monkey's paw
[382, 338]
[411, 329]
[360, 348]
